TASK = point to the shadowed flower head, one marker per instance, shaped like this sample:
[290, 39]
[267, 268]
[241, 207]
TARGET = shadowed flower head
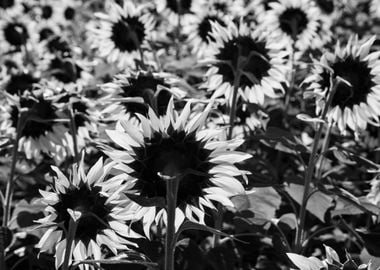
[134, 92]
[42, 131]
[357, 100]
[176, 146]
[93, 202]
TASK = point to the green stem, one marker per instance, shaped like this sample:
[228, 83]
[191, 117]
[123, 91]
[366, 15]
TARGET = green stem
[325, 145]
[310, 171]
[2, 248]
[219, 215]
[69, 240]
[292, 77]
[73, 130]
[377, 158]
[234, 103]
[9, 188]
[178, 29]
[283, 236]
[171, 200]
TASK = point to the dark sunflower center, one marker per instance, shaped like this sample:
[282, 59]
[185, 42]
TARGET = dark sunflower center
[326, 6]
[6, 3]
[57, 44]
[358, 74]
[145, 86]
[16, 34]
[128, 34]
[39, 109]
[176, 155]
[93, 207]
[45, 33]
[179, 6]
[255, 57]
[79, 109]
[47, 11]
[69, 13]
[204, 28]
[65, 70]
[293, 21]
[220, 6]
[19, 83]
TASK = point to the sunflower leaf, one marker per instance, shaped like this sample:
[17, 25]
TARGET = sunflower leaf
[189, 225]
[304, 263]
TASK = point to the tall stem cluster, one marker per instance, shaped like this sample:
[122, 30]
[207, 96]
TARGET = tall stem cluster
[313, 160]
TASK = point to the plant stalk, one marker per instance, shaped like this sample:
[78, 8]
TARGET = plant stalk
[171, 201]
[73, 129]
[310, 170]
[9, 188]
[178, 29]
[325, 145]
[69, 240]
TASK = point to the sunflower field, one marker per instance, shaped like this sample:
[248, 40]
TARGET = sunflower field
[189, 134]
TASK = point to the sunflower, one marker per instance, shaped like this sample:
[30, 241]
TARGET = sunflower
[42, 132]
[174, 145]
[357, 100]
[68, 11]
[14, 32]
[187, 9]
[137, 91]
[298, 22]
[121, 34]
[94, 203]
[11, 7]
[47, 29]
[46, 9]
[199, 31]
[261, 64]
[19, 82]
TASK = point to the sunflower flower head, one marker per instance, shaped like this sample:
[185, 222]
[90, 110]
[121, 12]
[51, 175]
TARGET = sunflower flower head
[177, 147]
[121, 33]
[92, 202]
[42, 129]
[356, 101]
[133, 93]
[296, 23]
[247, 59]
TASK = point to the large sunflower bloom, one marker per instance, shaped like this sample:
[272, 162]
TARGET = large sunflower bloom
[93, 199]
[357, 101]
[173, 144]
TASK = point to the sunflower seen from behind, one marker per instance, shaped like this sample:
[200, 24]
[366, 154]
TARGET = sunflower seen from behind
[175, 145]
